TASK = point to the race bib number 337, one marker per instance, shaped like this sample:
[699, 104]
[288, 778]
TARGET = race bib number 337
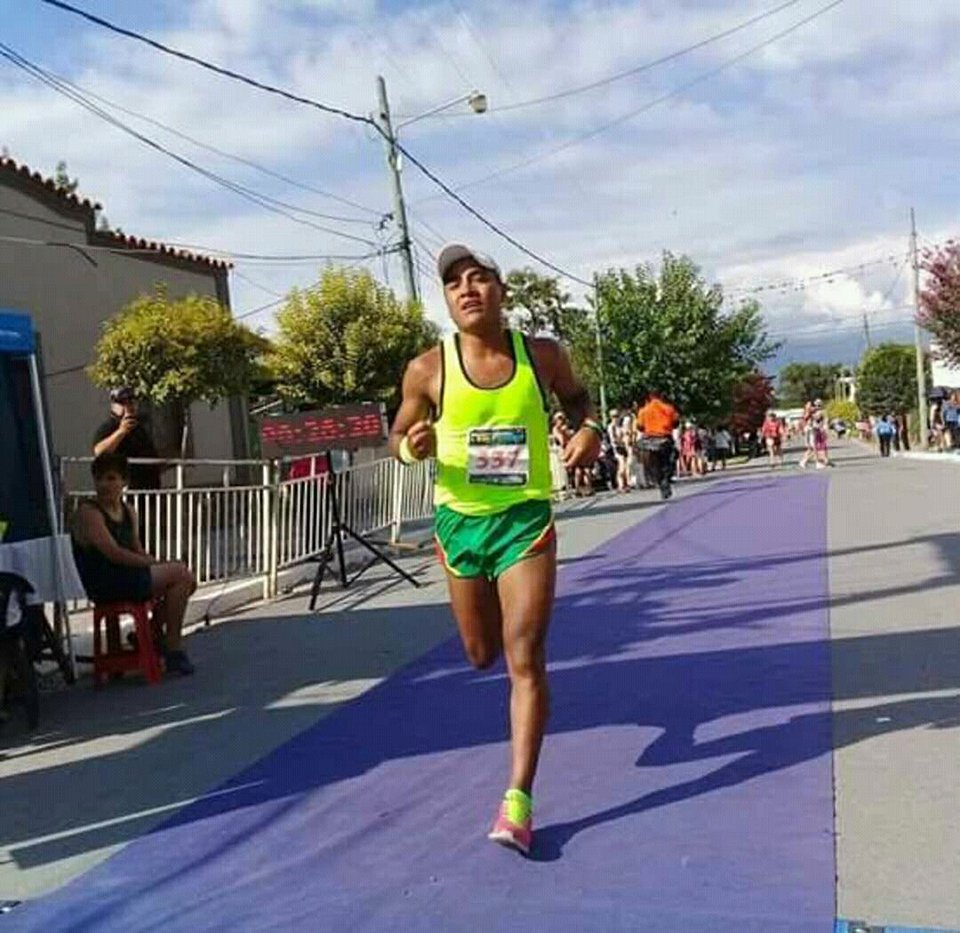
[498, 456]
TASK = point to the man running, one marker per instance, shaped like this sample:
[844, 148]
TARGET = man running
[479, 403]
[656, 421]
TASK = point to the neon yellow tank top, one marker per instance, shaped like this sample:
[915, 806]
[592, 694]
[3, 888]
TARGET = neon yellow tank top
[493, 448]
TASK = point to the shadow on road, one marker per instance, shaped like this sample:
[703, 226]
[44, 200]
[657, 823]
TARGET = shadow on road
[606, 669]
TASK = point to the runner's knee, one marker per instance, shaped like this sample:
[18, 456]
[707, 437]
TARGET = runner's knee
[481, 654]
[526, 657]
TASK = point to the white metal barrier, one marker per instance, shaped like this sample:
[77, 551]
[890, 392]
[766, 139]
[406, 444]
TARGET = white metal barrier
[253, 523]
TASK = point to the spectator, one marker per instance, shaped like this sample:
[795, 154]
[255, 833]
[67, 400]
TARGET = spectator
[123, 433]
[772, 434]
[936, 433]
[724, 444]
[951, 421]
[901, 437]
[689, 451]
[581, 478]
[704, 442]
[620, 445]
[710, 449]
[885, 430]
[114, 567]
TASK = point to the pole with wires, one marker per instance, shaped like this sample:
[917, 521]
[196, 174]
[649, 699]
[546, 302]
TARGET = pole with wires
[917, 337]
[399, 207]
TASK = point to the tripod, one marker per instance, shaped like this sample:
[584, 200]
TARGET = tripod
[334, 548]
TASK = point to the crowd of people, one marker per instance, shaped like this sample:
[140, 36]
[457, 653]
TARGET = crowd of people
[945, 422]
[632, 439]
[698, 450]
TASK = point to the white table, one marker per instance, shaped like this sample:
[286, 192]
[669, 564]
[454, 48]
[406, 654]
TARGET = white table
[37, 562]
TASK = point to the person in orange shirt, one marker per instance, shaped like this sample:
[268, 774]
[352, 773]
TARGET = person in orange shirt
[656, 421]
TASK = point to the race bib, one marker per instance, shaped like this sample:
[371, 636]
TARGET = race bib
[498, 456]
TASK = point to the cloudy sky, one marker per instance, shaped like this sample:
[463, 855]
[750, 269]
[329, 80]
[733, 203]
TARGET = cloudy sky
[766, 165]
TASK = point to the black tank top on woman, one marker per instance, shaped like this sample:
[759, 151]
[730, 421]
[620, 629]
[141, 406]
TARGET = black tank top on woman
[104, 580]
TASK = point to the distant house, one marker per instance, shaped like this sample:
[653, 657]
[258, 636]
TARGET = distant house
[70, 277]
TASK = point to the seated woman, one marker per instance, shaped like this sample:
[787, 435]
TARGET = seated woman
[114, 567]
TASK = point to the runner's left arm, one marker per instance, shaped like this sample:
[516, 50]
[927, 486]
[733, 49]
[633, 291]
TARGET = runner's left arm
[584, 447]
[412, 423]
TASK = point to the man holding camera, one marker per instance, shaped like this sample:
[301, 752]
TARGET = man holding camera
[124, 433]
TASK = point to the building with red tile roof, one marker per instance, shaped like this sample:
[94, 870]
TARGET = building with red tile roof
[71, 278]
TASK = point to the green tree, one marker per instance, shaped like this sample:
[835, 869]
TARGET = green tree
[176, 351]
[537, 305]
[804, 382]
[345, 339]
[887, 380]
[843, 409]
[670, 332]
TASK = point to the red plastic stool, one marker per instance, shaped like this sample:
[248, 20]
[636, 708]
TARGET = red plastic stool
[115, 659]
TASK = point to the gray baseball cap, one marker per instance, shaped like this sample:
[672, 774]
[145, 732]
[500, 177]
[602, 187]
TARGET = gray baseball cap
[454, 252]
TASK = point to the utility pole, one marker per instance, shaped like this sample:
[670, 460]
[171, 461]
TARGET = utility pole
[596, 323]
[399, 208]
[866, 330]
[921, 368]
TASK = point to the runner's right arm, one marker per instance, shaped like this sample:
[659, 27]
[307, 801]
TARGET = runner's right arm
[413, 420]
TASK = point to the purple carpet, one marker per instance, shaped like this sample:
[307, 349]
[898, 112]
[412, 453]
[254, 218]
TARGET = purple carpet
[685, 783]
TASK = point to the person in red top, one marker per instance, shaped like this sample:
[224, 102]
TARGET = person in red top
[656, 421]
[772, 434]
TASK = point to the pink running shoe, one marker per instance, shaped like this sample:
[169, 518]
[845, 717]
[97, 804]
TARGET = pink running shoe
[517, 836]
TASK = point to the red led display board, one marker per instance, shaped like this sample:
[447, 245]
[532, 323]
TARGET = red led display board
[340, 427]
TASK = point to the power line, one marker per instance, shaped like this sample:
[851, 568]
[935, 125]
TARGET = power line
[209, 66]
[636, 70]
[445, 188]
[676, 92]
[261, 308]
[425, 247]
[809, 337]
[272, 304]
[207, 250]
[436, 237]
[534, 207]
[270, 89]
[230, 155]
[258, 285]
[261, 200]
[294, 258]
[799, 283]
[834, 325]
[896, 281]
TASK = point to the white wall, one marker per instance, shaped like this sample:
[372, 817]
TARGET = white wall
[69, 292]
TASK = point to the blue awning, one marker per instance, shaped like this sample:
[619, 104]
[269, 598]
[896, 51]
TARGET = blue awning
[16, 333]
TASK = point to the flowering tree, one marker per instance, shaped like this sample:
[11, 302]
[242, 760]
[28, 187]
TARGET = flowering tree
[940, 300]
[753, 397]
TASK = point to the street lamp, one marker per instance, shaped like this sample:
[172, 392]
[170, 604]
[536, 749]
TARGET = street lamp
[477, 102]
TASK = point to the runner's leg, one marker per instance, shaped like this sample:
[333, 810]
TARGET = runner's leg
[476, 609]
[526, 597]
